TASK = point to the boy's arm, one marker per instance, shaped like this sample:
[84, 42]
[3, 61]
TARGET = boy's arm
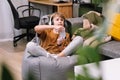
[77, 32]
[40, 28]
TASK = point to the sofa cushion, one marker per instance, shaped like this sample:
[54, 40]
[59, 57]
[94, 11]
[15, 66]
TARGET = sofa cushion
[110, 49]
[76, 23]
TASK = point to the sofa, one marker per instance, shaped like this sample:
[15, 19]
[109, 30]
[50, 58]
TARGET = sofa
[109, 50]
[43, 68]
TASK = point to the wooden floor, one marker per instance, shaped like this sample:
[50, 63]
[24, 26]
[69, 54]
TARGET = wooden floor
[12, 57]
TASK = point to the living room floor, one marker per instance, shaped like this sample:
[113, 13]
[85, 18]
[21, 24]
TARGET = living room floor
[12, 57]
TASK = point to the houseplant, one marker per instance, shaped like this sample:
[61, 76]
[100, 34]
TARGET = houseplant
[95, 5]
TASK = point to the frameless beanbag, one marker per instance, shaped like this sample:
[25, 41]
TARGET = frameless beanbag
[47, 68]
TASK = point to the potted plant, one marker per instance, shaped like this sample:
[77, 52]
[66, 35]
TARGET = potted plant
[95, 5]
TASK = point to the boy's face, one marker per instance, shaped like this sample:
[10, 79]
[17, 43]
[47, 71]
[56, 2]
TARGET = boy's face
[86, 24]
[58, 21]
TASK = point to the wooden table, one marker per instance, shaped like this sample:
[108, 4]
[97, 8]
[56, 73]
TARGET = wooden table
[64, 8]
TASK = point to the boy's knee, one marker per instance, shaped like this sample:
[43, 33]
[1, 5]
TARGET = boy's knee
[86, 43]
[79, 38]
[30, 45]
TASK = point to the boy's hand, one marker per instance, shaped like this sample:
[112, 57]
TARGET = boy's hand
[86, 24]
[107, 38]
[59, 28]
[73, 37]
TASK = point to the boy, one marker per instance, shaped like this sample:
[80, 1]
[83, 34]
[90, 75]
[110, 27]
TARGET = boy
[91, 23]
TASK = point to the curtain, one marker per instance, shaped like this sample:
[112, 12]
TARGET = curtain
[6, 19]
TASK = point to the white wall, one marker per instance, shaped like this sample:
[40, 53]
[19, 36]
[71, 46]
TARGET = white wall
[6, 19]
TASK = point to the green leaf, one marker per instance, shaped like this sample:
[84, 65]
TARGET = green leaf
[6, 75]
[30, 76]
[88, 55]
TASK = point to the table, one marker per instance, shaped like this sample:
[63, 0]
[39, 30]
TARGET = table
[109, 69]
[64, 8]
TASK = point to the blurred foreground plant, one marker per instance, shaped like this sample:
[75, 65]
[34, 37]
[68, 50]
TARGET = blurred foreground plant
[88, 55]
[5, 73]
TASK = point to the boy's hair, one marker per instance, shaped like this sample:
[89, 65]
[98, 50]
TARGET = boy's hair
[54, 15]
[93, 17]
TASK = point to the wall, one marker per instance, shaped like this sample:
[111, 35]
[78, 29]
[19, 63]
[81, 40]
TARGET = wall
[6, 21]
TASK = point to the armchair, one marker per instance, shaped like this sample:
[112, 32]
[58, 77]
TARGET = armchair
[24, 22]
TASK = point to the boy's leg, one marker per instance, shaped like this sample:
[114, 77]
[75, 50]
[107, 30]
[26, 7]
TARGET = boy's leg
[88, 41]
[95, 43]
[36, 50]
[75, 43]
